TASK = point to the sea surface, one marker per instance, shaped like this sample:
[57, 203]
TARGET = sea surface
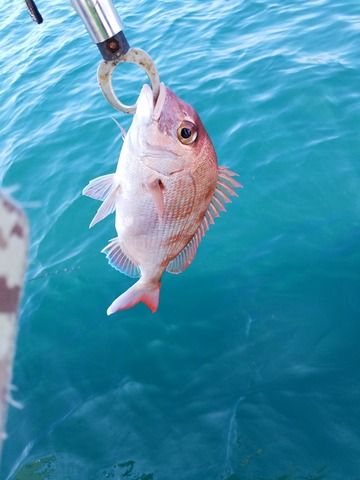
[250, 369]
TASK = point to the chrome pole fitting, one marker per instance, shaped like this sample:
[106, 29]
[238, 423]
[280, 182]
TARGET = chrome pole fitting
[104, 26]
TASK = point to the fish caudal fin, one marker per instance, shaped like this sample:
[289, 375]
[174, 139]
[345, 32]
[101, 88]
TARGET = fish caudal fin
[139, 292]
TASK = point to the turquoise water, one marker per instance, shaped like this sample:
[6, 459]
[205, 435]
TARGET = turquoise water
[250, 368]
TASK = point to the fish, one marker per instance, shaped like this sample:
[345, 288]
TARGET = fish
[166, 191]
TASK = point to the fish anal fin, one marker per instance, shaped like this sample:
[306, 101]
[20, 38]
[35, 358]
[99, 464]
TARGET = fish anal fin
[118, 259]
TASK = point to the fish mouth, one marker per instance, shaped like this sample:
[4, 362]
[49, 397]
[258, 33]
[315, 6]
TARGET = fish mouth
[146, 106]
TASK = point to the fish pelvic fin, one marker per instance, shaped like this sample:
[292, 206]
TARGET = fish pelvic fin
[223, 190]
[105, 189]
[139, 292]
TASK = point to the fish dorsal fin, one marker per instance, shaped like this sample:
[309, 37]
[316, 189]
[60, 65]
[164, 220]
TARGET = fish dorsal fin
[226, 184]
[224, 187]
[119, 260]
[102, 188]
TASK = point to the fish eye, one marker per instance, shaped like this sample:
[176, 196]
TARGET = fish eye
[187, 132]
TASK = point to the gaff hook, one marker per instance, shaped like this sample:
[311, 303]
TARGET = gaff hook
[105, 28]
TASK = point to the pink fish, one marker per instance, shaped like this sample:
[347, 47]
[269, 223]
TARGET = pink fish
[166, 191]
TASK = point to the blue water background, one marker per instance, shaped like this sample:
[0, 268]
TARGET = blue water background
[250, 369]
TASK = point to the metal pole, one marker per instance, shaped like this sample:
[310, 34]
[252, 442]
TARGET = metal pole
[104, 26]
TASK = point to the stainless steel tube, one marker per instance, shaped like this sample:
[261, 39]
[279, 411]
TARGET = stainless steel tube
[100, 18]
[104, 25]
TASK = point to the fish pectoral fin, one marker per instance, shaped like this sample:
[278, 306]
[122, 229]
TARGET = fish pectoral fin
[118, 259]
[156, 188]
[100, 187]
[224, 187]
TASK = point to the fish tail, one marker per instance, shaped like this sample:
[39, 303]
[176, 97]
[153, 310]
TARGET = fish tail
[139, 292]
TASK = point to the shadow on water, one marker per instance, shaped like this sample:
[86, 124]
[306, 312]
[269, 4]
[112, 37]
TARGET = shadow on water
[40, 469]
[319, 475]
[46, 469]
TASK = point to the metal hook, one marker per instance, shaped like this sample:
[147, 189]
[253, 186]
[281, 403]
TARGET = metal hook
[105, 28]
[134, 55]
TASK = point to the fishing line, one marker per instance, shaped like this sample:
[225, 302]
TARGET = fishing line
[55, 272]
